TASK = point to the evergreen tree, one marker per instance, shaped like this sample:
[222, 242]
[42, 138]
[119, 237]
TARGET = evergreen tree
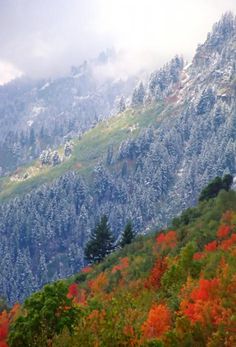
[138, 95]
[227, 182]
[214, 187]
[121, 105]
[101, 242]
[128, 235]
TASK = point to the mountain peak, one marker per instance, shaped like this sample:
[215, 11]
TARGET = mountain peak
[223, 35]
[223, 30]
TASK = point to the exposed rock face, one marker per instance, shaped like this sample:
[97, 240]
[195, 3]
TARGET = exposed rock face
[149, 180]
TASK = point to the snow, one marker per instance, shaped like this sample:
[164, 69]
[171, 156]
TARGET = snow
[30, 123]
[46, 85]
[36, 110]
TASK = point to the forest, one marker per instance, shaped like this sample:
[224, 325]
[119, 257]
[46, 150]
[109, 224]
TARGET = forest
[174, 287]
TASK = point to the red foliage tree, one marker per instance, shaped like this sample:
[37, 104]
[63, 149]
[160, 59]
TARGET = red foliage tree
[204, 304]
[226, 244]
[211, 246]
[159, 268]
[77, 295]
[223, 231]
[73, 291]
[168, 240]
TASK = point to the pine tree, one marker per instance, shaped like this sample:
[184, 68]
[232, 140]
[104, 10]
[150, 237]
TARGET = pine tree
[138, 95]
[128, 235]
[101, 242]
[214, 187]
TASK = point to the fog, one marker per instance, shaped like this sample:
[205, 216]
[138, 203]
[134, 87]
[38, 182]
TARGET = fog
[44, 38]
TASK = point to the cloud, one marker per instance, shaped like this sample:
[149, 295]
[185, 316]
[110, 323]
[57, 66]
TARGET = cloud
[44, 38]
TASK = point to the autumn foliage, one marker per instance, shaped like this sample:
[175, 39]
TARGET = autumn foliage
[6, 318]
[168, 240]
[159, 268]
[176, 288]
[158, 322]
[211, 246]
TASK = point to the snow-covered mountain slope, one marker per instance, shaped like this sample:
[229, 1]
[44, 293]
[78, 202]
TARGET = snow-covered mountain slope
[146, 164]
[38, 114]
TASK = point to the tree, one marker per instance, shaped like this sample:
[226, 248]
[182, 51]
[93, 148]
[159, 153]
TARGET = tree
[45, 314]
[101, 242]
[128, 235]
[227, 182]
[158, 321]
[121, 105]
[138, 95]
[55, 158]
[214, 187]
[68, 148]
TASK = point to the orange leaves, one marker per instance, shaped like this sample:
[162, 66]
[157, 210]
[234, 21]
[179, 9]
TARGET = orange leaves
[99, 283]
[86, 269]
[211, 247]
[154, 279]
[124, 264]
[227, 217]
[5, 320]
[158, 322]
[168, 240]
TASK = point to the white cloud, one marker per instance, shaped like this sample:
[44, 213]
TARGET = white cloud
[8, 72]
[44, 37]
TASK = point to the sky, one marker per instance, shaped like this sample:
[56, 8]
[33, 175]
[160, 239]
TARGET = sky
[44, 38]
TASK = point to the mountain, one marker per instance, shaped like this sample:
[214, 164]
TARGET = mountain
[147, 164]
[40, 114]
[171, 288]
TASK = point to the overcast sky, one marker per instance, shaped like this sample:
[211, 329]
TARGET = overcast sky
[43, 38]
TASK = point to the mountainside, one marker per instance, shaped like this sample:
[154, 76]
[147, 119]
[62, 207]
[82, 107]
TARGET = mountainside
[40, 114]
[146, 164]
[171, 288]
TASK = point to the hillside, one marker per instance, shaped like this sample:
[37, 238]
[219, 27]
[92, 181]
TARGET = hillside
[39, 114]
[171, 288]
[147, 163]
[87, 151]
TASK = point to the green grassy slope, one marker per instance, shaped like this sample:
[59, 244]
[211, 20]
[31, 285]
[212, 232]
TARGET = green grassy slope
[88, 151]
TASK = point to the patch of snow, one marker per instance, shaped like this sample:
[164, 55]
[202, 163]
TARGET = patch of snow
[36, 110]
[234, 183]
[30, 123]
[46, 85]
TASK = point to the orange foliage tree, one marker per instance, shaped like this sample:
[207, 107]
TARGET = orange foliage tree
[158, 322]
[99, 283]
[5, 320]
[124, 264]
